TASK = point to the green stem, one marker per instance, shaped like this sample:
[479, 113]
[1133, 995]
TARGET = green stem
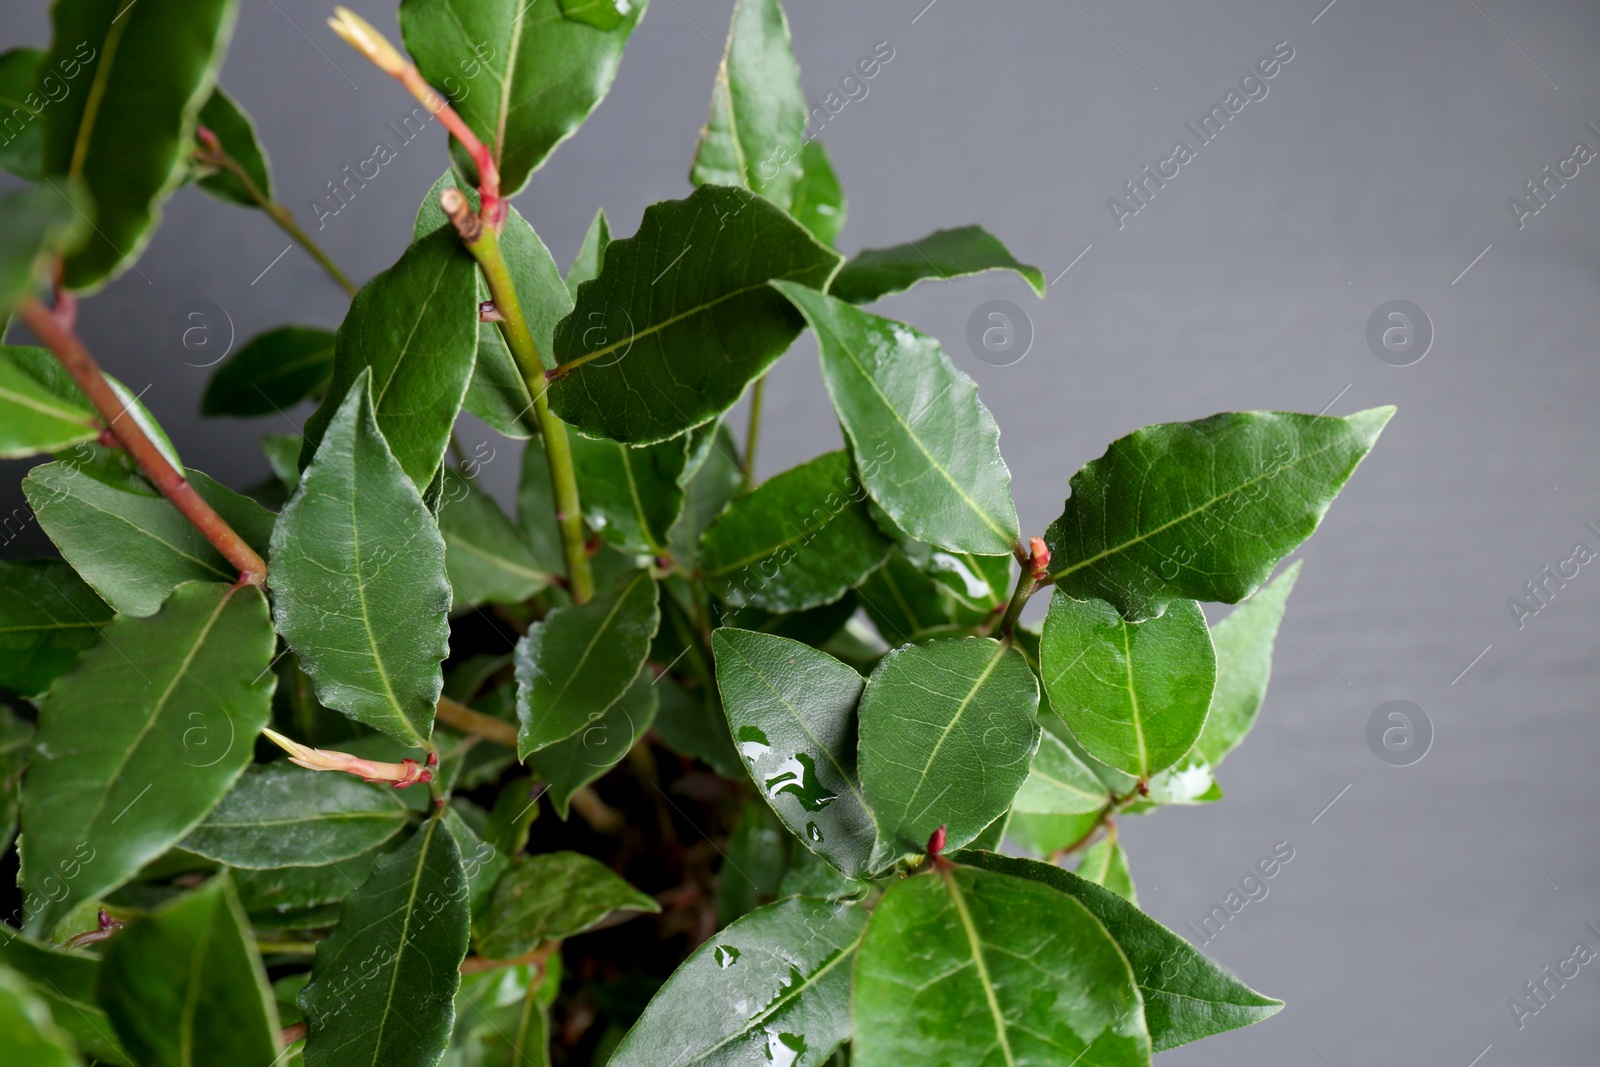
[279, 214]
[485, 248]
[1019, 597]
[752, 434]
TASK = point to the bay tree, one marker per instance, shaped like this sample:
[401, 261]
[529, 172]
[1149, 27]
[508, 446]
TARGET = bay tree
[665, 765]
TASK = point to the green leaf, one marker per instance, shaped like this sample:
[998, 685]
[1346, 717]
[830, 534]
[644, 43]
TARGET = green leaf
[482, 863]
[753, 135]
[415, 328]
[523, 76]
[1244, 643]
[773, 987]
[33, 420]
[926, 447]
[803, 539]
[1189, 781]
[549, 897]
[591, 254]
[908, 605]
[1045, 835]
[36, 222]
[967, 967]
[575, 664]
[283, 456]
[184, 985]
[943, 254]
[65, 981]
[753, 862]
[1202, 510]
[237, 134]
[281, 816]
[692, 723]
[357, 571]
[947, 732]
[1058, 783]
[384, 982]
[681, 319]
[818, 198]
[125, 539]
[536, 510]
[273, 372]
[16, 749]
[792, 710]
[631, 496]
[813, 626]
[569, 765]
[29, 1035]
[1105, 864]
[486, 556]
[708, 486]
[21, 104]
[126, 128]
[1186, 996]
[1134, 694]
[47, 616]
[140, 739]
[285, 891]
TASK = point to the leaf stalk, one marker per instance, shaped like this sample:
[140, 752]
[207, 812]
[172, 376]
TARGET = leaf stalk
[55, 329]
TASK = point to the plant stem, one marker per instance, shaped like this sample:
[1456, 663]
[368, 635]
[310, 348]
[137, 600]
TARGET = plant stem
[214, 156]
[55, 330]
[286, 948]
[484, 244]
[1019, 597]
[752, 433]
[476, 723]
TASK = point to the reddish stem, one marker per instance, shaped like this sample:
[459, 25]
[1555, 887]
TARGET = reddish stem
[56, 331]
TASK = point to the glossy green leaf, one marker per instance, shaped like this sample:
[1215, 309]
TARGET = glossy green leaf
[384, 982]
[813, 626]
[966, 967]
[36, 222]
[926, 447]
[1189, 781]
[1202, 510]
[481, 862]
[1134, 694]
[184, 985]
[575, 664]
[753, 862]
[1059, 783]
[631, 496]
[125, 539]
[569, 765]
[357, 571]
[691, 722]
[681, 319]
[753, 135]
[591, 254]
[711, 480]
[237, 135]
[272, 372]
[1105, 864]
[1045, 835]
[551, 896]
[126, 127]
[908, 606]
[773, 987]
[283, 456]
[818, 198]
[803, 539]
[140, 739]
[415, 328]
[21, 103]
[523, 76]
[281, 816]
[947, 733]
[1244, 643]
[792, 710]
[29, 1035]
[943, 254]
[32, 420]
[1186, 996]
[47, 616]
[65, 981]
[280, 892]
[486, 556]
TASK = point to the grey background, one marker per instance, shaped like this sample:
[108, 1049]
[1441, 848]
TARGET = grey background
[1392, 141]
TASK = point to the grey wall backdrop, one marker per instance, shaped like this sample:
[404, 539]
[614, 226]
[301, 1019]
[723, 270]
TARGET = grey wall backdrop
[1378, 166]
